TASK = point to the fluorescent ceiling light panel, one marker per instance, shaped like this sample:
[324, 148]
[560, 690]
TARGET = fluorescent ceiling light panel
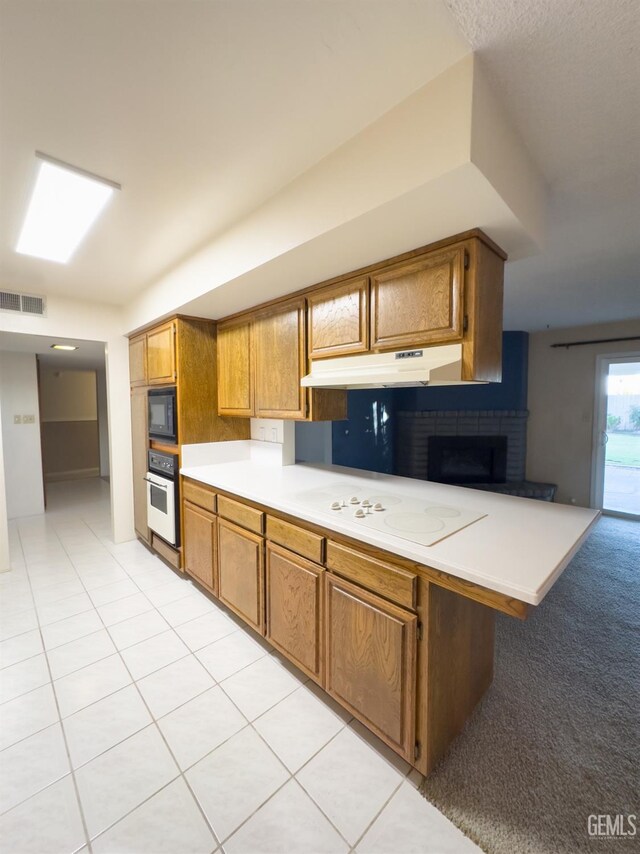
[65, 203]
[63, 347]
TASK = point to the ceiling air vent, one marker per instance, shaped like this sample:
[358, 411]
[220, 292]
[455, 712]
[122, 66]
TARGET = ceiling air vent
[22, 303]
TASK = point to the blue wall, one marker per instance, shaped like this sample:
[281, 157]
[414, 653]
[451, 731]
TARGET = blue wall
[366, 440]
[511, 393]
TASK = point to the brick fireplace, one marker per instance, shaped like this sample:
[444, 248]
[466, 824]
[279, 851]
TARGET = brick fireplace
[488, 431]
[415, 428]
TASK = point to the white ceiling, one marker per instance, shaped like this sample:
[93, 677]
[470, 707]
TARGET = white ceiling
[568, 73]
[90, 355]
[203, 110]
[200, 110]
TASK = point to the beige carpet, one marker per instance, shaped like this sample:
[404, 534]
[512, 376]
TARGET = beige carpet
[557, 736]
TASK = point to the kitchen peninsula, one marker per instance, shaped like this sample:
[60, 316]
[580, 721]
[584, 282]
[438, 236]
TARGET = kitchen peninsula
[382, 590]
[400, 633]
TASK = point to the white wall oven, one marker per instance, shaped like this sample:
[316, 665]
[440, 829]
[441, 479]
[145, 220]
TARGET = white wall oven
[163, 506]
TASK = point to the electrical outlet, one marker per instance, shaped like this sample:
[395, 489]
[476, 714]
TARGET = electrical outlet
[28, 419]
[274, 434]
[262, 434]
[17, 419]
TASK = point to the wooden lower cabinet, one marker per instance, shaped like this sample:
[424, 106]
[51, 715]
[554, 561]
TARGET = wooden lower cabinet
[415, 690]
[199, 548]
[294, 619]
[241, 572]
[370, 661]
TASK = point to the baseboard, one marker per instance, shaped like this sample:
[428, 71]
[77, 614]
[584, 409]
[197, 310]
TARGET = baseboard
[76, 474]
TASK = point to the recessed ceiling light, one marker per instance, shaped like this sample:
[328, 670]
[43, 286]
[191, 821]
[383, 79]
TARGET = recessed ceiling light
[65, 203]
[64, 347]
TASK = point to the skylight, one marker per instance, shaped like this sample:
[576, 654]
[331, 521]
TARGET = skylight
[66, 201]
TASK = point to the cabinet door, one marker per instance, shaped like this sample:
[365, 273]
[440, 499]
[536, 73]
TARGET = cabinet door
[161, 354]
[418, 302]
[294, 608]
[235, 380]
[138, 360]
[241, 573]
[139, 445]
[339, 320]
[279, 351]
[199, 547]
[370, 661]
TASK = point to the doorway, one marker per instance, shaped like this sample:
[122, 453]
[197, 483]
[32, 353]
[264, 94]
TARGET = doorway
[616, 475]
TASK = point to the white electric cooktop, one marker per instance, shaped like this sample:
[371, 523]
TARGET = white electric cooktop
[403, 516]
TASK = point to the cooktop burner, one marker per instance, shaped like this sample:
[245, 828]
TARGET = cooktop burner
[402, 516]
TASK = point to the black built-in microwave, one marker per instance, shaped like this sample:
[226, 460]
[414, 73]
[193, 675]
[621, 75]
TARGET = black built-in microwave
[163, 422]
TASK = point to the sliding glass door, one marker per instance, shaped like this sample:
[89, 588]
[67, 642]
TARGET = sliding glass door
[616, 470]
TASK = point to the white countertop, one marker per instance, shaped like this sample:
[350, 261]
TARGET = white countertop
[519, 548]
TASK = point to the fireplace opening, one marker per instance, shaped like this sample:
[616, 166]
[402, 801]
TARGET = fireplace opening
[467, 459]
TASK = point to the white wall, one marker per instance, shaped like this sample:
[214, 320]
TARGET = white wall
[88, 321]
[21, 442]
[561, 405]
[68, 395]
[103, 421]
[5, 559]
[314, 442]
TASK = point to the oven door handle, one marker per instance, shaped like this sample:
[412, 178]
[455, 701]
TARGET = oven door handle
[153, 483]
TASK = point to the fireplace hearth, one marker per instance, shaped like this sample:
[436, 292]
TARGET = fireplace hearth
[467, 459]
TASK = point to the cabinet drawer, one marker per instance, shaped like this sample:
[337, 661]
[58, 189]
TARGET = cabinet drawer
[202, 496]
[169, 553]
[392, 582]
[296, 539]
[241, 514]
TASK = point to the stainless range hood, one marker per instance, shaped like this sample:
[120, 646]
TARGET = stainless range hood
[428, 366]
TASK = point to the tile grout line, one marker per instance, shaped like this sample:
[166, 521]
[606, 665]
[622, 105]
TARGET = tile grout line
[159, 731]
[62, 729]
[291, 775]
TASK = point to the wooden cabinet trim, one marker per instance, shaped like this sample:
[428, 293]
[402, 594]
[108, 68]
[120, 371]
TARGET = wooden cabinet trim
[242, 514]
[295, 625]
[295, 538]
[392, 582]
[361, 681]
[202, 496]
[336, 327]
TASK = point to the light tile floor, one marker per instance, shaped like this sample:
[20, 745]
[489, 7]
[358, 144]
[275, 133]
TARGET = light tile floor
[136, 715]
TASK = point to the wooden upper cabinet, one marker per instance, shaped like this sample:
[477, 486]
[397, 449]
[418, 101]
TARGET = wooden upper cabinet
[338, 319]
[294, 608]
[199, 547]
[161, 354]
[419, 302]
[241, 573]
[235, 380]
[138, 360]
[279, 352]
[370, 661]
